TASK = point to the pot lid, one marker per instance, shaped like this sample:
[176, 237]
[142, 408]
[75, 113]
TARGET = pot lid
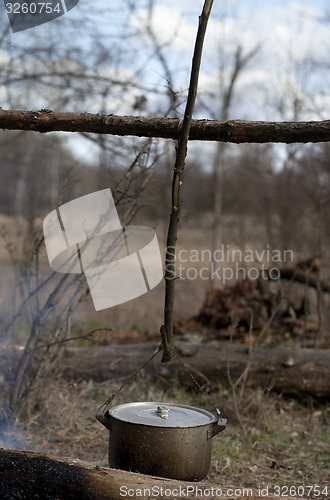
[160, 414]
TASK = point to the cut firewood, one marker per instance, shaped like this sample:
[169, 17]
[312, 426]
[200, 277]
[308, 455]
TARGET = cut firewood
[250, 305]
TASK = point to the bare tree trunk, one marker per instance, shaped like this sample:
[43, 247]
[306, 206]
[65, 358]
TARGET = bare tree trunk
[240, 62]
[217, 206]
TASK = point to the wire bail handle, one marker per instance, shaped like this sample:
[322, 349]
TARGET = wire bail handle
[104, 406]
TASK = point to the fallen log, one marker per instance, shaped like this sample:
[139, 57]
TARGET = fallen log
[292, 371]
[26, 475]
[306, 278]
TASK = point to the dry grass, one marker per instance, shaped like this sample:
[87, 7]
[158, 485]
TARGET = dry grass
[287, 440]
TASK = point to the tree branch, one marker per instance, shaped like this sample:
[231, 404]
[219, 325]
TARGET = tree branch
[166, 330]
[235, 131]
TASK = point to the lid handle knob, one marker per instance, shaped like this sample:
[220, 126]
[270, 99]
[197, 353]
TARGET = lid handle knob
[162, 412]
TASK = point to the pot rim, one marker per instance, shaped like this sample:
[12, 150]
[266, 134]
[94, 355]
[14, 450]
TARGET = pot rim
[178, 415]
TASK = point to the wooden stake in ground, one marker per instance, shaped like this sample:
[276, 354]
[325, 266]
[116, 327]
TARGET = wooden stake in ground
[166, 330]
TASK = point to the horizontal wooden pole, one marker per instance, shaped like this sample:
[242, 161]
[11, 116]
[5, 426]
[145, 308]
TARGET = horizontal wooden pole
[235, 131]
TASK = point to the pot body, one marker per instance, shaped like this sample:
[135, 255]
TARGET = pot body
[161, 439]
[177, 453]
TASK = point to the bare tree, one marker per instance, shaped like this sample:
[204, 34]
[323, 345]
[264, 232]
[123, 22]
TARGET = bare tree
[227, 95]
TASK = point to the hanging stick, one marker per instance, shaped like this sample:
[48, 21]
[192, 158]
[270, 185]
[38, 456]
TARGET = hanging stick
[166, 330]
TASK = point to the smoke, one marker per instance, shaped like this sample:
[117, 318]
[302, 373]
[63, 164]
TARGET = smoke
[10, 436]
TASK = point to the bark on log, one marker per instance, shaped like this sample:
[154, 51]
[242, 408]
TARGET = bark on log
[306, 278]
[291, 371]
[26, 475]
[235, 131]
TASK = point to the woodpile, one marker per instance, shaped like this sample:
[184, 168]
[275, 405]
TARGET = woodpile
[242, 304]
[242, 311]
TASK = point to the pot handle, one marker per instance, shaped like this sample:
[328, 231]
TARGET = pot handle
[104, 418]
[217, 427]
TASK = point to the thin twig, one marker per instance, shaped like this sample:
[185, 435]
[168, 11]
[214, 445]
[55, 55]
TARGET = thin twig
[71, 339]
[231, 383]
[244, 374]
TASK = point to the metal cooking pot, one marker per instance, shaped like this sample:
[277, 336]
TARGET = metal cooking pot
[161, 439]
